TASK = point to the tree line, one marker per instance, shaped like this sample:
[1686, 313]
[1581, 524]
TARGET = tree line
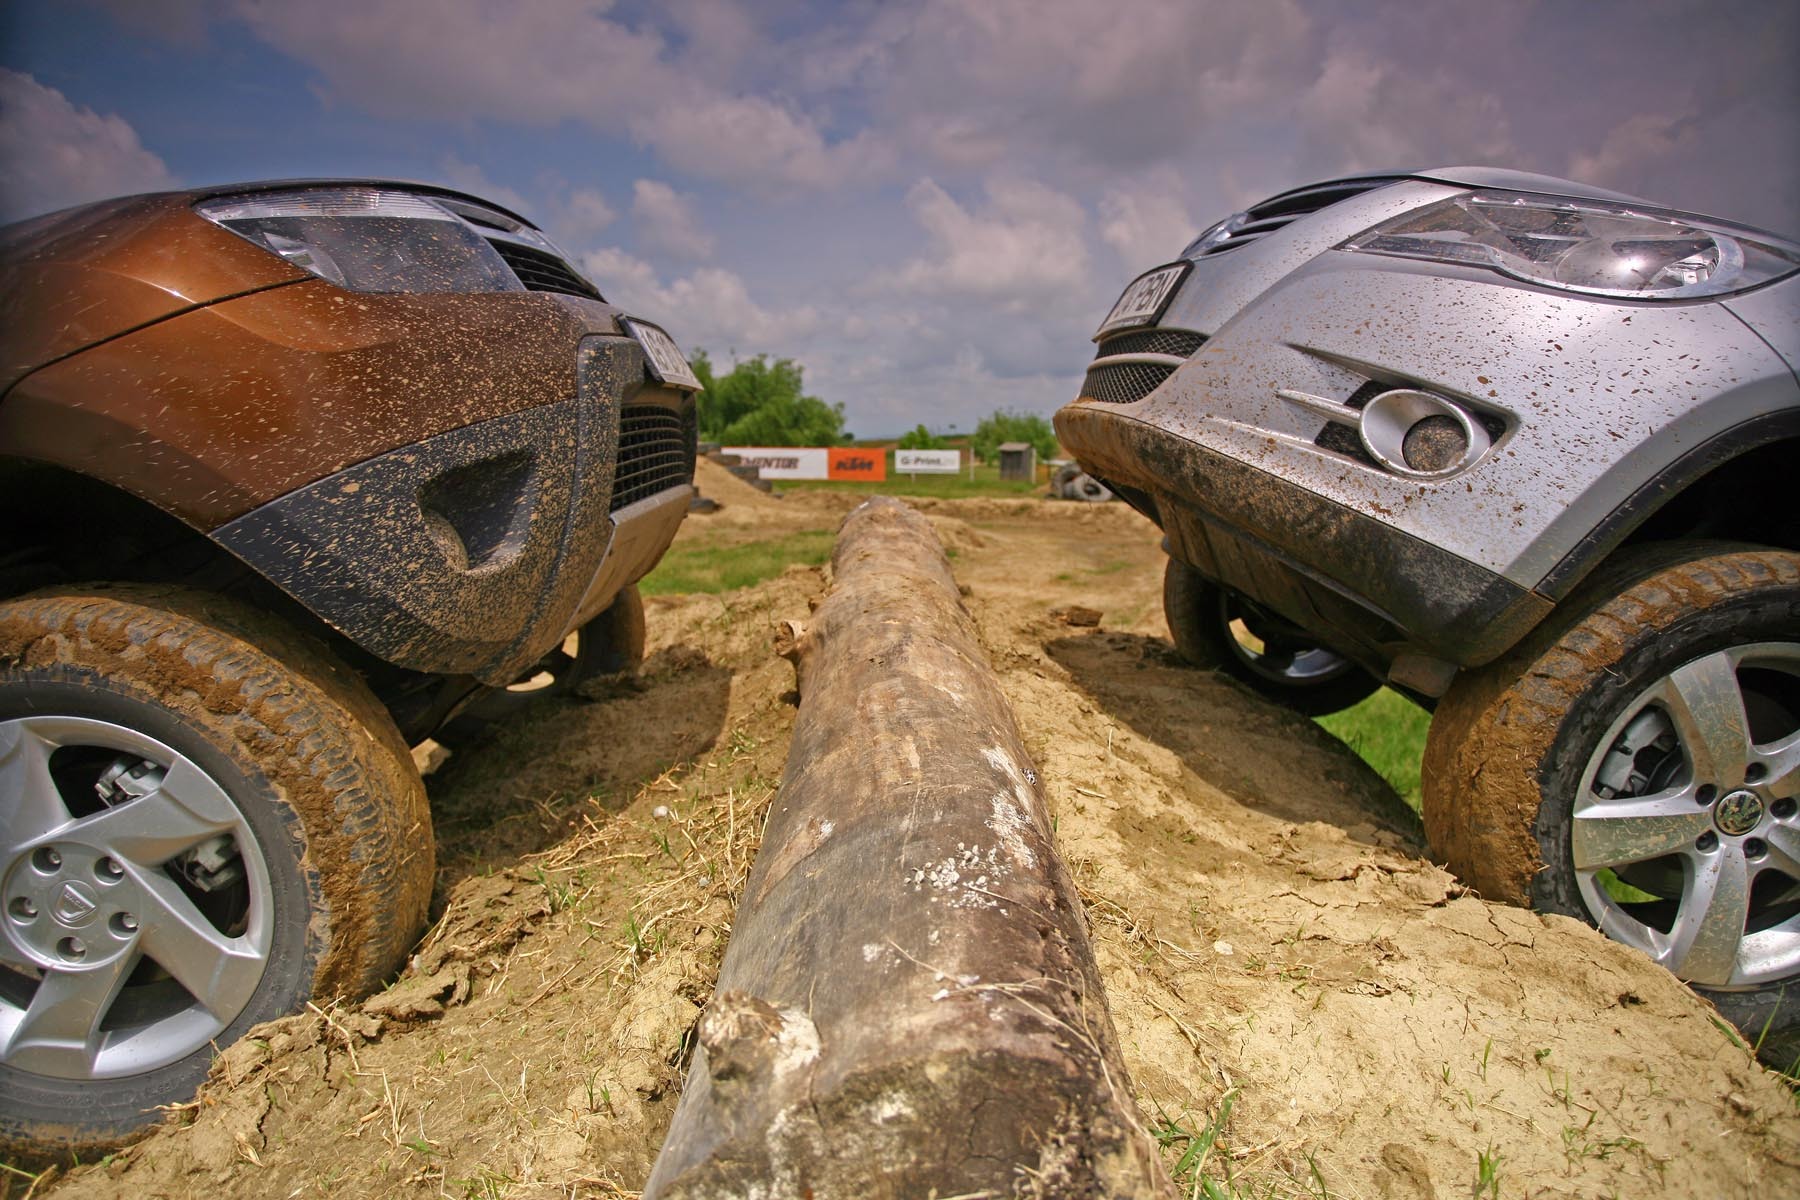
[763, 402]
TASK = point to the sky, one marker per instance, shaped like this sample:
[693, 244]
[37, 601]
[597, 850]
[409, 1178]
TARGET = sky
[929, 204]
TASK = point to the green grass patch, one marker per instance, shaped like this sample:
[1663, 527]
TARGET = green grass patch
[987, 482]
[724, 568]
[1388, 732]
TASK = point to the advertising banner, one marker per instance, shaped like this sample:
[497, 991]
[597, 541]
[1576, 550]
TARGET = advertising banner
[867, 465]
[814, 462]
[785, 462]
[927, 462]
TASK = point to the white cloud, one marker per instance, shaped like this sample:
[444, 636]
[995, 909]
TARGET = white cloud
[581, 214]
[466, 176]
[1360, 114]
[665, 221]
[1633, 149]
[710, 308]
[572, 215]
[756, 141]
[1146, 219]
[626, 280]
[898, 364]
[534, 63]
[1024, 249]
[55, 153]
[550, 61]
[719, 36]
[977, 82]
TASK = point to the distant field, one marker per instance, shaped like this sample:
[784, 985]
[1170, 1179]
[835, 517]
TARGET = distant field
[1387, 731]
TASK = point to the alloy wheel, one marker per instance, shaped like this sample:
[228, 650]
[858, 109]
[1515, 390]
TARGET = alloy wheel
[1686, 830]
[136, 910]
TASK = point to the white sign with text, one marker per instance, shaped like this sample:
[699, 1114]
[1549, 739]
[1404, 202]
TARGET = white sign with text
[927, 462]
[786, 462]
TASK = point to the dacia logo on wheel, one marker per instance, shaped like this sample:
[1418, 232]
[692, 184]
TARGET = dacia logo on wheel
[75, 905]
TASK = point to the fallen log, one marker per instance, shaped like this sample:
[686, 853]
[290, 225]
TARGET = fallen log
[909, 1004]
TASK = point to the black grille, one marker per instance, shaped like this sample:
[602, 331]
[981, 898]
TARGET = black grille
[1279, 211]
[656, 451]
[1341, 439]
[541, 272]
[1124, 383]
[1152, 341]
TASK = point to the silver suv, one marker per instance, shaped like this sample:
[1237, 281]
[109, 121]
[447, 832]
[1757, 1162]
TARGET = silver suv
[1519, 449]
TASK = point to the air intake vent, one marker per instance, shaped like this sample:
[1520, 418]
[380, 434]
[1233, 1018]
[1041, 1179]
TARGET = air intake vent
[656, 451]
[1129, 382]
[541, 272]
[1280, 211]
[1124, 383]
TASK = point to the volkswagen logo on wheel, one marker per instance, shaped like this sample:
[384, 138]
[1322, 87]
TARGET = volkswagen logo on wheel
[1738, 813]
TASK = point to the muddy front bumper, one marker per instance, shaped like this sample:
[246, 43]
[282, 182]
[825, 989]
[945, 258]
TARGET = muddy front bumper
[1406, 608]
[474, 552]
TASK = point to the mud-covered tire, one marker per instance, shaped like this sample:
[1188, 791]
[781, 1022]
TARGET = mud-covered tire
[1307, 677]
[612, 643]
[1515, 746]
[242, 724]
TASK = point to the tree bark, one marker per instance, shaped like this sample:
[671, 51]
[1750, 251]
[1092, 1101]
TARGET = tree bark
[909, 1004]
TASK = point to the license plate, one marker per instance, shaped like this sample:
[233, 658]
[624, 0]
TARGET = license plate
[1143, 300]
[666, 360]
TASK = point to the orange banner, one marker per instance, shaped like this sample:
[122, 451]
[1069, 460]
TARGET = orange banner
[868, 465]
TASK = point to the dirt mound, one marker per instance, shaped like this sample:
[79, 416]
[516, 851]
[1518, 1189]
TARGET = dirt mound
[1289, 976]
[717, 483]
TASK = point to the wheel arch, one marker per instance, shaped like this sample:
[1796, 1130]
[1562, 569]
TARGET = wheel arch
[1725, 488]
[84, 528]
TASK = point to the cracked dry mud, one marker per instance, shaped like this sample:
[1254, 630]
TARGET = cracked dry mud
[1267, 924]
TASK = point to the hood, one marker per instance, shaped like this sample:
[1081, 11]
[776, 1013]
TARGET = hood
[1522, 181]
[72, 279]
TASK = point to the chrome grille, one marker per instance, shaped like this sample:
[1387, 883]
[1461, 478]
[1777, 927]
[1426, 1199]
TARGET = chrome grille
[656, 451]
[1129, 382]
[1124, 383]
[1152, 341]
[1279, 211]
[541, 272]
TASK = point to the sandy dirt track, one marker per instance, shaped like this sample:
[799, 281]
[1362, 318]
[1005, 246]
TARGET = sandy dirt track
[1272, 937]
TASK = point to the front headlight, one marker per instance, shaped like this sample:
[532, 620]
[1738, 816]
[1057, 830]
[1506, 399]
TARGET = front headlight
[1588, 246]
[368, 239]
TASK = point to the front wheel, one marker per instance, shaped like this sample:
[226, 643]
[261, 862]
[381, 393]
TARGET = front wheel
[1221, 630]
[1638, 766]
[204, 822]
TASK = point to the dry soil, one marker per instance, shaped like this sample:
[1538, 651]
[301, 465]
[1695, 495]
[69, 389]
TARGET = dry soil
[1277, 946]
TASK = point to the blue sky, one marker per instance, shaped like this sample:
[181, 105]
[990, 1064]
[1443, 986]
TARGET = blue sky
[928, 203]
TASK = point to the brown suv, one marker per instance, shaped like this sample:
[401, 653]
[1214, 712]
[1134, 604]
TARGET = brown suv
[291, 475]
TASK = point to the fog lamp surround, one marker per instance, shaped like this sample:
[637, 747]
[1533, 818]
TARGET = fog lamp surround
[1420, 434]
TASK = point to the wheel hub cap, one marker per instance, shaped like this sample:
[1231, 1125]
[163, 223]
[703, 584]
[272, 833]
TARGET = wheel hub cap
[1739, 813]
[69, 907]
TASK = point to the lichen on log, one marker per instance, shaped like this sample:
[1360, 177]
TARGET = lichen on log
[909, 1004]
